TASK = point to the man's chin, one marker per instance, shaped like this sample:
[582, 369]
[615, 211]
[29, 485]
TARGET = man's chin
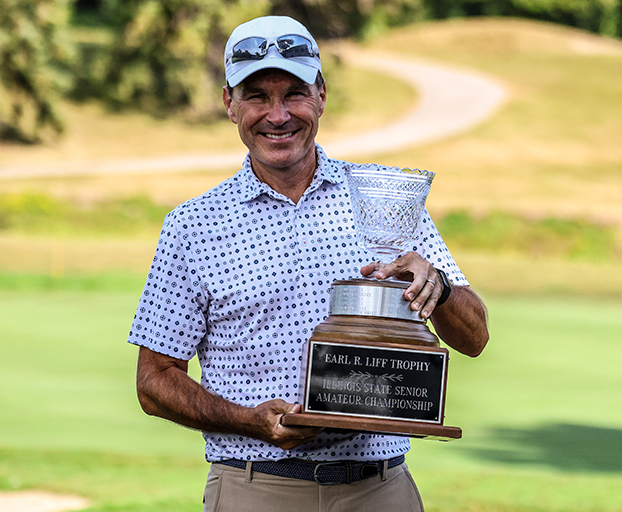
[280, 158]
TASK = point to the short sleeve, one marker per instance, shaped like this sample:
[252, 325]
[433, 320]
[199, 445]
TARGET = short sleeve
[171, 314]
[431, 246]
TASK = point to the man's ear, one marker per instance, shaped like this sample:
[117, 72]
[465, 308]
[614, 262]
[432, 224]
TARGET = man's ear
[228, 101]
[322, 98]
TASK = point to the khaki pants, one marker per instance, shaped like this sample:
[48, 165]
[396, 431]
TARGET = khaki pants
[234, 490]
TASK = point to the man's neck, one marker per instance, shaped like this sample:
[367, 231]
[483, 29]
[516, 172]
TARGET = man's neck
[290, 182]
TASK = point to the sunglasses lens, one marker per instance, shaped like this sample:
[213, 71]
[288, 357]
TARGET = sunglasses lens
[251, 48]
[294, 46]
[256, 48]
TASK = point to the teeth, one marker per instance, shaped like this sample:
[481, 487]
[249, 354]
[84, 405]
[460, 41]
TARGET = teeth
[282, 136]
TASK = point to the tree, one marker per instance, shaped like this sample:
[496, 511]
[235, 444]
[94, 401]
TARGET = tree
[167, 57]
[34, 55]
[168, 53]
[343, 18]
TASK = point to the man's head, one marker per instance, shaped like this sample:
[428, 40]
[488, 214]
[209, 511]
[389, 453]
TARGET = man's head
[276, 95]
[271, 42]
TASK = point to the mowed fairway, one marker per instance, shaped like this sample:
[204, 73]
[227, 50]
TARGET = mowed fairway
[542, 430]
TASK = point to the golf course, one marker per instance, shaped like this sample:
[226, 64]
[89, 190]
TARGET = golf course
[529, 203]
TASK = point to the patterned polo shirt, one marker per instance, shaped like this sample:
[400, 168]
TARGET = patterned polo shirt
[240, 278]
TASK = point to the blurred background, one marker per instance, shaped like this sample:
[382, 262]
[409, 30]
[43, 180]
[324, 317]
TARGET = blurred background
[110, 115]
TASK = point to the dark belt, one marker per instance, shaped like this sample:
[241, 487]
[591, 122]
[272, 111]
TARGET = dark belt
[324, 473]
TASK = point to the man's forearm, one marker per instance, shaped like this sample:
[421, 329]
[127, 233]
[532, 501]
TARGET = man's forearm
[165, 390]
[462, 321]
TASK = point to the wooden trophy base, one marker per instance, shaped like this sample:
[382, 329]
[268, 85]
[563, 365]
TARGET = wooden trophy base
[374, 366]
[376, 425]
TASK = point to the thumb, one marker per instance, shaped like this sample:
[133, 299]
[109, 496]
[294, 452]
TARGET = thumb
[296, 408]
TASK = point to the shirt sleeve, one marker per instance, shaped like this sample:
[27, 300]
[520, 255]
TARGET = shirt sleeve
[431, 246]
[171, 314]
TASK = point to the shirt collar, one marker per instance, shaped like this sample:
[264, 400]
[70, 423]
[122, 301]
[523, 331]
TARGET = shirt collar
[253, 188]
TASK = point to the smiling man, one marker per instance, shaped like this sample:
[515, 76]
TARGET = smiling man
[278, 117]
[241, 277]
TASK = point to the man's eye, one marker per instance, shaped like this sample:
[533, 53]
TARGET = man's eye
[253, 96]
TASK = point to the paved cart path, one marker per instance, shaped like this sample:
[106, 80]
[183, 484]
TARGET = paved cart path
[450, 101]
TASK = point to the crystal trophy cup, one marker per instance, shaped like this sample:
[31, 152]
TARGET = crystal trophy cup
[373, 365]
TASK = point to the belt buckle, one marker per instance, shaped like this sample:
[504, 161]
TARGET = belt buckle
[325, 464]
[369, 470]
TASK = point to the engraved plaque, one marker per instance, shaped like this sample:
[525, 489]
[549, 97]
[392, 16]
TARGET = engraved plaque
[348, 379]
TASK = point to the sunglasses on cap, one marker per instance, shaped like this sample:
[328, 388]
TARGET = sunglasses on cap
[256, 48]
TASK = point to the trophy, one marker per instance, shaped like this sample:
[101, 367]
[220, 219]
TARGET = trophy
[373, 365]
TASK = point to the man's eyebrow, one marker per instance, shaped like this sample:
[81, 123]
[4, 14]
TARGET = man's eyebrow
[247, 91]
[250, 90]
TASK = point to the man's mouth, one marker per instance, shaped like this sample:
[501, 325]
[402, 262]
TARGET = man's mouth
[279, 135]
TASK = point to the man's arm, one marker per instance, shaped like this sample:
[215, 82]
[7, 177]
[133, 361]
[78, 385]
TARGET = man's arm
[461, 321]
[165, 390]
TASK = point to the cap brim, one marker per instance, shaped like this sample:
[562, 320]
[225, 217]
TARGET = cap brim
[305, 72]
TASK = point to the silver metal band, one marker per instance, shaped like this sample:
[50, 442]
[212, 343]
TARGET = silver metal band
[370, 297]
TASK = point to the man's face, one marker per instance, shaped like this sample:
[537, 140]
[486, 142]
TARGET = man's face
[278, 117]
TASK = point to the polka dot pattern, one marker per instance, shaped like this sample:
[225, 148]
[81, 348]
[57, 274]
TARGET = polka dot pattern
[240, 278]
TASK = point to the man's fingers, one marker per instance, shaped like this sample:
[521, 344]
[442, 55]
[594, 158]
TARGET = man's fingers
[270, 415]
[293, 436]
[424, 292]
[425, 287]
[403, 268]
[397, 268]
[296, 408]
[368, 269]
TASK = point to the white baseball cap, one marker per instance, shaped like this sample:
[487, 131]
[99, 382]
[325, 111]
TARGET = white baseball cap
[271, 42]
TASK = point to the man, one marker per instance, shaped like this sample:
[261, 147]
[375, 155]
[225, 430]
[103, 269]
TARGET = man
[241, 277]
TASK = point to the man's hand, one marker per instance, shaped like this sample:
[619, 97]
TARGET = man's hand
[270, 429]
[461, 322]
[425, 288]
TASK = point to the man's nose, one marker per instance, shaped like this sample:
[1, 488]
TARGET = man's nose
[278, 113]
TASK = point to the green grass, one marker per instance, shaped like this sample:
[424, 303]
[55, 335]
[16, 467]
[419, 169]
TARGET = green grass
[44, 214]
[38, 213]
[500, 232]
[68, 375]
[111, 481]
[541, 428]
